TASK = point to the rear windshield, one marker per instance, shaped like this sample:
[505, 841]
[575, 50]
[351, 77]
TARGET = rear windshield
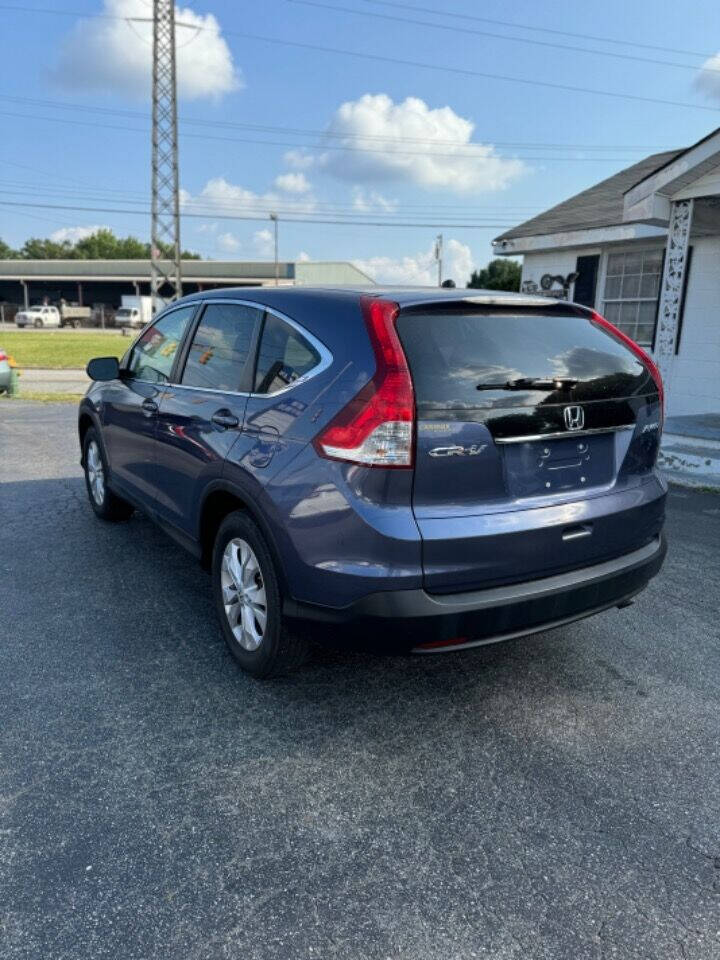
[470, 359]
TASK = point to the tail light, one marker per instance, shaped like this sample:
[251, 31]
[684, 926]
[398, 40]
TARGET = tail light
[641, 354]
[376, 427]
[3, 356]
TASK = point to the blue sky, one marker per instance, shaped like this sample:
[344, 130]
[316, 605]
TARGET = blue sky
[426, 146]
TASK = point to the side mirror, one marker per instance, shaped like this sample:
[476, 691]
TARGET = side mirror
[103, 368]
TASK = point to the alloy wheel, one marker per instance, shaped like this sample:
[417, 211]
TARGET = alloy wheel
[243, 594]
[96, 473]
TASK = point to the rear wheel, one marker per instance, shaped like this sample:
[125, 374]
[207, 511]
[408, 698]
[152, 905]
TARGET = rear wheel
[249, 600]
[38, 323]
[104, 502]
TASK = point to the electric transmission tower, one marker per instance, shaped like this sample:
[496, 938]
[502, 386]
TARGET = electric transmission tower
[165, 265]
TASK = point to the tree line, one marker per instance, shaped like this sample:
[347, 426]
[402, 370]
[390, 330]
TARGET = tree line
[101, 245]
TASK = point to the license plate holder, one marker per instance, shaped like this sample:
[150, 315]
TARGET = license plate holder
[537, 467]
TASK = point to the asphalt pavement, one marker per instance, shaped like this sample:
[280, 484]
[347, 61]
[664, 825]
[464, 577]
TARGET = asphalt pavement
[552, 797]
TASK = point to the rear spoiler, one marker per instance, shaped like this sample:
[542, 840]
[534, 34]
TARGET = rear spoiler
[508, 301]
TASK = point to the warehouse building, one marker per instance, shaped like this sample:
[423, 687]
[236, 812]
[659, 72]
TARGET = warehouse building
[95, 282]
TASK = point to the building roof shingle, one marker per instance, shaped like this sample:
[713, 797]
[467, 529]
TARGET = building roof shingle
[598, 206]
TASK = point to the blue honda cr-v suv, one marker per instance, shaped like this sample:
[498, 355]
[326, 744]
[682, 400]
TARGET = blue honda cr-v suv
[460, 466]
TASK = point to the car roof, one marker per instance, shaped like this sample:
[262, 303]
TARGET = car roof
[282, 297]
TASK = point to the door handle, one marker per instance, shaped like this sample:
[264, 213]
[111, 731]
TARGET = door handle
[149, 407]
[577, 532]
[225, 419]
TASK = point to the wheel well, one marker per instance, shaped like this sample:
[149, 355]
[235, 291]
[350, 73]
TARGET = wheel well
[84, 425]
[217, 506]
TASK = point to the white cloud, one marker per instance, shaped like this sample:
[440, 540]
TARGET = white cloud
[115, 55]
[708, 77]
[228, 242]
[421, 268]
[293, 183]
[299, 159]
[302, 257]
[411, 143]
[220, 196]
[73, 234]
[264, 242]
[370, 201]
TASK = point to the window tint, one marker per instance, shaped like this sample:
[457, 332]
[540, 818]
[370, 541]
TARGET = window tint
[466, 360]
[220, 346]
[283, 357]
[153, 355]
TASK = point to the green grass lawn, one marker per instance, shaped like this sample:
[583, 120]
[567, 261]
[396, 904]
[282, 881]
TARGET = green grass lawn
[42, 396]
[62, 350]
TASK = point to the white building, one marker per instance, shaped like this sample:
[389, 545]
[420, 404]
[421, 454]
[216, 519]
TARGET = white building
[643, 248]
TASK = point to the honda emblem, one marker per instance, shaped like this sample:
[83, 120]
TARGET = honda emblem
[574, 418]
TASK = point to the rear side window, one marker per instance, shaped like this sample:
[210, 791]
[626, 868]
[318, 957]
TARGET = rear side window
[465, 359]
[153, 355]
[219, 349]
[284, 356]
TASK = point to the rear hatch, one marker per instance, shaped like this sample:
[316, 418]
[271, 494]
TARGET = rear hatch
[536, 430]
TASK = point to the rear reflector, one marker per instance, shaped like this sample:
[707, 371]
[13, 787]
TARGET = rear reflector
[376, 427]
[641, 354]
[439, 644]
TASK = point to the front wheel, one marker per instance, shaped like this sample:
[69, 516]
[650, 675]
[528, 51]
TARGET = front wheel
[248, 600]
[106, 505]
[38, 323]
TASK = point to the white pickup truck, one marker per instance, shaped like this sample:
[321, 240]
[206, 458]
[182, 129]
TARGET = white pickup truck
[41, 316]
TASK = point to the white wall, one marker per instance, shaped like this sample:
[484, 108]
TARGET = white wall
[553, 262]
[693, 385]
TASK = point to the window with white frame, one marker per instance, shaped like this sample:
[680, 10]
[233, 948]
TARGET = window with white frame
[632, 287]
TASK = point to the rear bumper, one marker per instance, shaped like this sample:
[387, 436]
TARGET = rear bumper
[499, 613]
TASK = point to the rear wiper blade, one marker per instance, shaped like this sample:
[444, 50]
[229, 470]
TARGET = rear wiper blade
[531, 383]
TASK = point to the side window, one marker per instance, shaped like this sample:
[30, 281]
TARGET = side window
[220, 347]
[153, 355]
[284, 356]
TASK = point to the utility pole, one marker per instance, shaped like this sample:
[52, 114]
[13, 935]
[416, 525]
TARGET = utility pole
[439, 256]
[274, 218]
[165, 279]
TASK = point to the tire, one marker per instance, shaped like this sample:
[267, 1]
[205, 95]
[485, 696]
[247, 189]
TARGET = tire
[38, 324]
[106, 505]
[241, 557]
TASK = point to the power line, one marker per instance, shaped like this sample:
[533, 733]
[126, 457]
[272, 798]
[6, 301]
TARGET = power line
[500, 36]
[465, 72]
[323, 147]
[84, 15]
[68, 105]
[260, 219]
[524, 26]
[210, 209]
[285, 205]
[417, 64]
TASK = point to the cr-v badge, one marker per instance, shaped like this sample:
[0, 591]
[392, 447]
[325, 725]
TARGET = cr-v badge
[456, 451]
[574, 418]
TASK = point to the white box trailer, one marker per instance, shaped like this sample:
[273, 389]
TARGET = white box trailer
[134, 312]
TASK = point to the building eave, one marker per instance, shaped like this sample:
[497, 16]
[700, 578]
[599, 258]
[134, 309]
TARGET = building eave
[616, 233]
